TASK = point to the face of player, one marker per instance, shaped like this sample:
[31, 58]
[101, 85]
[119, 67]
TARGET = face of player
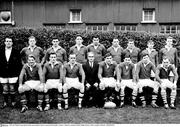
[31, 61]
[127, 61]
[108, 59]
[95, 41]
[55, 42]
[166, 63]
[32, 42]
[79, 40]
[8, 42]
[115, 42]
[146, 59]
[150, 45]
[91, 57]
[52, 58]
[131, 44]
[169, 41]
[72, 59]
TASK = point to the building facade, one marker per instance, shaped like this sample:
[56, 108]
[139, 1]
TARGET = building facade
[156, 16]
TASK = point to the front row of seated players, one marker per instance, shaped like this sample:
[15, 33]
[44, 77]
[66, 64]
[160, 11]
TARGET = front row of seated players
[113, 79]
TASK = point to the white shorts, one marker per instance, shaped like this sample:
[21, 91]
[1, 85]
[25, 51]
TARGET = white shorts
[128, 83]
[9, 80]
[108, 82]
[148, 82]
[73, 83]
[53, 83]
[167, 84]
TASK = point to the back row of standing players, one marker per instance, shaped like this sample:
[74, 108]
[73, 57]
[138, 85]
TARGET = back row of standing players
[89, 69]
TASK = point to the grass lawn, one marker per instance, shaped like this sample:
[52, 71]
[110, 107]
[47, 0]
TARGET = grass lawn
[92, 115]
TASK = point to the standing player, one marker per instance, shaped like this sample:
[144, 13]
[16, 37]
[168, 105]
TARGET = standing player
[71, 71]
[133, 51]
[169, 52]
[98, 49]
[162, 75]
[52, 77]
[61, 52]
[153, 55]
[91, 80]
[80, 50]
[143, 73]
[10, 67]
[116, 51]
[106, 73]
[36, 51]
[34, 81]
[127, 79]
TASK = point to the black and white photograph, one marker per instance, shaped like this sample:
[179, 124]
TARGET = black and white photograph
[89, 62]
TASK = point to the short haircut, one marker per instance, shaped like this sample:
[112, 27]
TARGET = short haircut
[72, 54]
[127, 56]
[8, 38]
[165, 57]
[107, 55]
[90, 53]
[32, 37]
[52, 53]
[150, 42]
[79, 35]
[130, 40]
[31, 56]
[145, 54]
[55, 37]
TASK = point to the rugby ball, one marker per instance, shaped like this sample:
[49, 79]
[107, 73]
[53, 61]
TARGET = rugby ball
[109, 104]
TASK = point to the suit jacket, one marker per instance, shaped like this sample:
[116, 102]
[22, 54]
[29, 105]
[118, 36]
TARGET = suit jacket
[91, 73]
[12, 67]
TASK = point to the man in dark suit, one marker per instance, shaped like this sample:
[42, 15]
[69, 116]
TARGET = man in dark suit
[91, 81]
[10, 66]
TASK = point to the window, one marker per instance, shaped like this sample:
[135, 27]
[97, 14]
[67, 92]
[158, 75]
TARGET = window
[5, 17]
[125, 27]
[148, 16]
[75, 16]
[97, 27]
[55, 25]
[170, 29]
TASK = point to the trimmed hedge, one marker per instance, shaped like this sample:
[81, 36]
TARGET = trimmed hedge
[67, 37]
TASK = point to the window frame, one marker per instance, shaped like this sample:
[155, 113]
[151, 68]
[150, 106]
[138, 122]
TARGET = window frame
[153, 15]
[71, 16]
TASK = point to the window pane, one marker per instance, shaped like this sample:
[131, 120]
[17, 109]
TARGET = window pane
[117, 27]
[173, 29]
[162, 30]
[123, 28]
[105, 28]
[100, 28]
[167, 29]
[94, 27]
[133, 28]
[128, 28]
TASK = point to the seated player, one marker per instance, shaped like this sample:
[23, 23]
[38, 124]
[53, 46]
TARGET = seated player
[71, 71]
[162, 75]
[127, 79]
[32, 72]
[106, 73]
[52, 75]
[143, 74]
[91, 88]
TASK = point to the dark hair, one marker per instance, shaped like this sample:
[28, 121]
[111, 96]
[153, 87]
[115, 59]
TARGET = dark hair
[107, 55]
[127, 55]
[79, 35]
[52, 53]
[130, 40]
[165, 57]
[31, 56]
[145, 54]
[55, 37]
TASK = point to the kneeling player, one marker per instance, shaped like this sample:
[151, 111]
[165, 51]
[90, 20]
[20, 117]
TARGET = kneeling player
[143, 73]
[71, 71]
[162, 75]
[52, 75]
[33, 75]
[106, 73]
[127, 79]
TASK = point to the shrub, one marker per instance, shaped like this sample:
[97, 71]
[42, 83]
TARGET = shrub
[67, 37]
